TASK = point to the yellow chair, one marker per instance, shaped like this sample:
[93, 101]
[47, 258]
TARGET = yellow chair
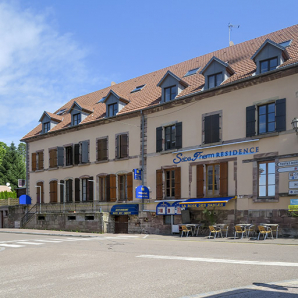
[185, 230]
[264, 232]
[274, 229]
[225, 229]
[251, 229]
[213, 231]
[239, 230]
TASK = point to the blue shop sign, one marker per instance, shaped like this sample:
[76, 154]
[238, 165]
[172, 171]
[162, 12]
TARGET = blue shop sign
[24, 200]
[161, 208]
[125, 209]
[199, 154]
[137, 174]
[294, 201]
[142, 192]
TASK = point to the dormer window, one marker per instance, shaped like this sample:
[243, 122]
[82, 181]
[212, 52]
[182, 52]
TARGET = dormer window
[76, 119]
[138, 88]
[269, 64]
[215, 80]
[46, 127]
[170, 93]
[112, 109]
[192, 71]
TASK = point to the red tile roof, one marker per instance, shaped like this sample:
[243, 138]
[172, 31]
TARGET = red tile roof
[238, 57]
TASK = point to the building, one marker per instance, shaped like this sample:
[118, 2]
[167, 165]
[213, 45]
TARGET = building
[212, 132]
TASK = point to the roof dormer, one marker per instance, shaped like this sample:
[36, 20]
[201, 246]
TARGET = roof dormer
[79, 112]
[269, 56]
[48, 121]
[215, 72]
[114, 103]
[171, 86]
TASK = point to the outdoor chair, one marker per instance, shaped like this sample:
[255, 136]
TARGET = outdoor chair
[239, 230]
[251, 230]
[213, 231]
[225, 229]
[274, 229]
[264, 232]
[185, 230]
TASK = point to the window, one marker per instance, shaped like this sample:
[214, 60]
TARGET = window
[122, 146]
[61, 112]
[37, 161]
[68, 190]
[212, 173]
[53, 191]
[87, 189]
[266, 118]
[113, 109]
[170, 93]
[76, 119]
[68, 156]
[167, 219]
[169, 137]
[46, 127]
[168, 183]
[269, 64]
[138, 88]
[53, 158]
[192, 71]
[211, 128]
[125, 187]
[102, 149]
[266, 173]
[104, 188]
[286, 43]
[39, 193]
[214, 80]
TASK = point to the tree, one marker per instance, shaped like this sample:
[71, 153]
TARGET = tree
[3, 148]
[22, 151]
[12, 167]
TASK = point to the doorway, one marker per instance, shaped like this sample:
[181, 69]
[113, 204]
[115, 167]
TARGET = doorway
[121, 224]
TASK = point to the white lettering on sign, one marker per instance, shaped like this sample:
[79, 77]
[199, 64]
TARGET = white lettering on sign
[293, 192]
[291, 169]
[293, 184]
[293, 176]
[288, 163]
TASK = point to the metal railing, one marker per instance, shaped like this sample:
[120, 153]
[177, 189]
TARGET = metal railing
[28, 215]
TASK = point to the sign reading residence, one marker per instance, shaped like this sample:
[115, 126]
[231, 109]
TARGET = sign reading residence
[293, 192]
[288, 163]
[293, 176]
[199, 154]
[293, 184]
[142, 192]
[290, 169]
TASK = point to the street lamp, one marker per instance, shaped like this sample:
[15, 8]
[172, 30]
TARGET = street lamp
[295, 124]
[39, 197]
[64, 196]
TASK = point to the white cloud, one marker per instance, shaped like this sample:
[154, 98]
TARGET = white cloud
[40, 69]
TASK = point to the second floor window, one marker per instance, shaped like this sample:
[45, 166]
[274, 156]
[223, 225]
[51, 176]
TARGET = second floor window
[113, 109]
[267, 118]
[211, 129]
[122, 146]
[170, 93]
[214, 80]
[46, 127]
[102, 149]
[269, 64]
[37, 161]
[53, 158]
[68, 156]
[76, 118]
[170, 137]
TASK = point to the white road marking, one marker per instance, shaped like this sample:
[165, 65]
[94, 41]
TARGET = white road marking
[49, 241]
[145, 236]
[11, 245]
[30, 243]
[226, 261]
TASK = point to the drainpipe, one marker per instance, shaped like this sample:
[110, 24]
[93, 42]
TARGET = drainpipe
[142, 153]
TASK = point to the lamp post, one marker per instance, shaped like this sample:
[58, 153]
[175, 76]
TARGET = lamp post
[295, 124]
[63, 196]
[39, 197]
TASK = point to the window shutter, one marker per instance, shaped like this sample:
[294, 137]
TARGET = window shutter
[76, 154]
[177, 183]
[33, 162]
[40, 160]
[102, 149]
[90, 184]
[77, 190]
[118, 147]
[105, 149]
[85, 153]
[124, 145]
[159, 183]
[113, 196]
[250, 121]
[158, 139]
[178, 135]
[208, 129]
[223, 179]
[62, 191]
[70, 190]
[55, 189]
[215, 128]
[60, 151]
[280, 114]
[200, 181]
[107, 195]
[51, 191]
[129, 187]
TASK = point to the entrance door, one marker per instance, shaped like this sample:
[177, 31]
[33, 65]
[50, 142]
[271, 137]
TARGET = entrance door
[1, 219]
[121, 224]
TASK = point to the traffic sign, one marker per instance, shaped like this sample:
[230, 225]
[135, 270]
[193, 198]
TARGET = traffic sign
[293, 176]
[288, 163]
[293, 191]
[293, 184]
[291, 169]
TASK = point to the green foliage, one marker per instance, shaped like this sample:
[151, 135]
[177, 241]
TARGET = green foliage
[3, 148]
[22, 151]
[12, 168]
[210, 216]
[8, 194]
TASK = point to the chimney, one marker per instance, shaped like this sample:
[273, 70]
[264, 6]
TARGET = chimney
[231, 43]
[113, 83]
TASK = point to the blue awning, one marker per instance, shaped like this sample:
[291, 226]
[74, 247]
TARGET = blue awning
[206, 202]
[125, 209]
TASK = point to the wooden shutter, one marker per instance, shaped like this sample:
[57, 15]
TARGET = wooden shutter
[159, 195]
[76, 154]
[70, 190]
[250, 121]
[200, 181]
[211, 131]
[33, 162]
[280, 114]
[208, 129]
[118, 147]
[129, 187]
[102, 149]
[77, 190]
[107, 194]
[38, 190]
[90, 185]
[223, 179]
[178, 135]
[62, 191]
[158, 139]
[53, 192]
[113, 196]
[40, 160]
[60, 153]
[177, 183]
[124, 145]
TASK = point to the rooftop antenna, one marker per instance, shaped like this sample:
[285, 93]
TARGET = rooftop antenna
[230, 29]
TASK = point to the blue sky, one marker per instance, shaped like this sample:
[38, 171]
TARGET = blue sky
[55, 50]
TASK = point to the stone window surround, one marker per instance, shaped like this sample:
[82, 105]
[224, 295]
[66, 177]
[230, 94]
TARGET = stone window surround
[116, 145]
[220, 126]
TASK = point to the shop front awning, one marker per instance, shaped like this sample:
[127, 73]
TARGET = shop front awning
[206, 202]
[125, 209]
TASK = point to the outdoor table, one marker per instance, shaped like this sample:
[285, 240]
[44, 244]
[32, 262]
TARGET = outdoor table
[193, 227]
[244, 226]
[271, 225]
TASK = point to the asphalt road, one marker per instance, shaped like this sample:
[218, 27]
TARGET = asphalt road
[145, 266]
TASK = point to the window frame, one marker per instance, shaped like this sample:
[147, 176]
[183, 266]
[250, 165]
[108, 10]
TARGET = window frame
[69, 155]
[267, 196]
[114, 106]
[105, 147]
[172, 141]
[120, 151]
[174, 87]
[122, 191]
[216, 79]
[267, 118]
[46, 126]
[171, 187]
[103, 188]
[219, 113]
[268, 65]
[76, 119]
[213, 165]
